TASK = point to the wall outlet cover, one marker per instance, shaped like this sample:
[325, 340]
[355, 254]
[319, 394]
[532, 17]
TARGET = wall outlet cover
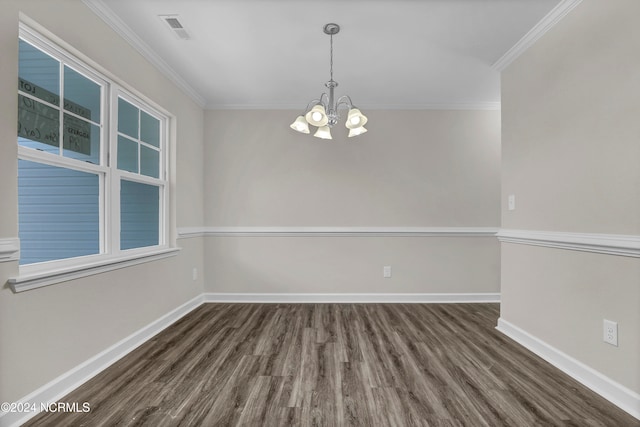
[610, 330]
[386, 271]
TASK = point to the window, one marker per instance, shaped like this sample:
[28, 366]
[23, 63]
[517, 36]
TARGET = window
[139, 168]
[92, 162]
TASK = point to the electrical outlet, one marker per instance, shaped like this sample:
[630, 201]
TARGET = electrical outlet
[194, 273]
[610, 332]
[511, 202]
[386, 271]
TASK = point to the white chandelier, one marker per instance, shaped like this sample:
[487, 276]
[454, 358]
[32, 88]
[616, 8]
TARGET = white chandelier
[324, 110]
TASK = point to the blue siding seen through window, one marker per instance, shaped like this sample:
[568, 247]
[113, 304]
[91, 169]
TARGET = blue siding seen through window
[139, 215]
[58, 212]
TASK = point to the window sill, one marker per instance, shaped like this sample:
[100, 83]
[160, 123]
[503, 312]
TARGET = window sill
[28, 281]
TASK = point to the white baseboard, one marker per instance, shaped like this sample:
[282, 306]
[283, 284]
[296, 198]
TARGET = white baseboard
[351, 298]
[67, 382]
[619, 395]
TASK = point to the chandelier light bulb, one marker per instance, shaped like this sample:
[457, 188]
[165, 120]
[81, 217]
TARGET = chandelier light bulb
[317, 116]
[355, 119]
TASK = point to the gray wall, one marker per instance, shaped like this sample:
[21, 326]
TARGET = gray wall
[570, 154]
[48, 331]
[412, 169]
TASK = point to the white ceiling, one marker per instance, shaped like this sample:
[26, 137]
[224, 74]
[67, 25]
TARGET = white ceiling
[274, 54]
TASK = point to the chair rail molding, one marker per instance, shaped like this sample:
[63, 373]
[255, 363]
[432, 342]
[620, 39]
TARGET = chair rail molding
[610, 244]
[337, 232]
[9, 249]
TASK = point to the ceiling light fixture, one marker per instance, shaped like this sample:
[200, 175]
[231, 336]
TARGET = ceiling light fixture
[324, 110]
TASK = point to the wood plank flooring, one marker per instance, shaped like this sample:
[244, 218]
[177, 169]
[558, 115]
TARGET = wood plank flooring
[335, 365]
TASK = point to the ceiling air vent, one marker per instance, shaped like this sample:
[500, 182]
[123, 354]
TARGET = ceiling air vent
[175, 26]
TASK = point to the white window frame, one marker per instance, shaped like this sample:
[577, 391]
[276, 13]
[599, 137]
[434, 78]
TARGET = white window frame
[111, 256]
[118, 175]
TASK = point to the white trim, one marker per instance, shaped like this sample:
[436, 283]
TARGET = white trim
[35, 155]
[38, 279]
[432, 106]
[351, 298]
[9, 249]
[610, 244]
[540, 29]
[337, 231]
[616, 393]
[190, 232]
[67, 382]
[100, 8]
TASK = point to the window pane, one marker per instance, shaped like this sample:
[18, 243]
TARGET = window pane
[38, 125]
[127, 118]
[81, 140]
[149, 129]
[81, 95]
[127, 154]
[149, 161]
[39, 74]
[139, 215]
[58, 212]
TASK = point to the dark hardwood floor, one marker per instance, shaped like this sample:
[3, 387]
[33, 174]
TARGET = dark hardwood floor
[335, 364]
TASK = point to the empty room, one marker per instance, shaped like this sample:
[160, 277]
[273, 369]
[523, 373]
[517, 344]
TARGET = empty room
[329, 213]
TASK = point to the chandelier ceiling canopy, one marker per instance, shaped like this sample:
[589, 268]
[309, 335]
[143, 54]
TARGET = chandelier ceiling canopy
[323, 112]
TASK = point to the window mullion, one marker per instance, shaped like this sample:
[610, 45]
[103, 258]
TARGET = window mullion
[139, 140]
[114, 173]
[61, 110]
[105, 215]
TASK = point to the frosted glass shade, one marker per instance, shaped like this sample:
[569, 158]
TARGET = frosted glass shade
[357, 131]
[323, 132]
[355, 119]
[300, 125]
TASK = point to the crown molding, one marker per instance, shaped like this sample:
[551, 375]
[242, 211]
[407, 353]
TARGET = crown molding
[609, 244]
[540, 29]
[432, 106]
[100, 8]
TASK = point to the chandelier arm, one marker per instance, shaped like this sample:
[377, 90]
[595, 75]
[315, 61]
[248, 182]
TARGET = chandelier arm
[324, 99]
[345, 100]
[312, 102]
